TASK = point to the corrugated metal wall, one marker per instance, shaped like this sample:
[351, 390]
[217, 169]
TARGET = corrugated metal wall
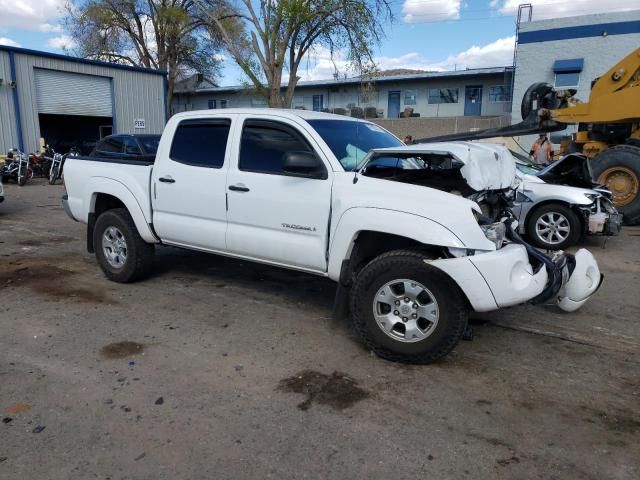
[136, 95]
[8, 133]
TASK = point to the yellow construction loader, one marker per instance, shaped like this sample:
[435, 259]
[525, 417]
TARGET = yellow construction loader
[608, 128]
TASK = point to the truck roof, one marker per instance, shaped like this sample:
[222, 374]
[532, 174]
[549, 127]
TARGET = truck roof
[284, 112]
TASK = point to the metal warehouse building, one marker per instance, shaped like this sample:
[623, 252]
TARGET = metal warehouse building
[68, 101]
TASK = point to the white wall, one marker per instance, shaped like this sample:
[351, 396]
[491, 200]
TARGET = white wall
[342, 95]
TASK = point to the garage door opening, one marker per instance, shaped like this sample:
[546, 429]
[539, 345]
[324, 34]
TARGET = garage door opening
[74, 110]
[65, 131]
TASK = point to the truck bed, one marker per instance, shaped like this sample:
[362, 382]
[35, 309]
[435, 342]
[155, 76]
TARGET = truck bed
[84, 176]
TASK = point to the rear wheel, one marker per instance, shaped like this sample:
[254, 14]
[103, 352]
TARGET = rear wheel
[407, 311]
[120, 250]
[619, 169]
[554, 227]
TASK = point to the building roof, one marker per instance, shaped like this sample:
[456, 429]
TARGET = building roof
[68, 58]
[389, 78]
[194, 82]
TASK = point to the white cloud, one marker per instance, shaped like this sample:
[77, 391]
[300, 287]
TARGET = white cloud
[543, 9]
[430, 10]
[29, 14]
[62, 42]
[48, 27]
[499, 53]
[494, 54]
[8, 42]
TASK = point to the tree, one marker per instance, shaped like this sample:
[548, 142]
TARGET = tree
[267, 37]
[170, 35]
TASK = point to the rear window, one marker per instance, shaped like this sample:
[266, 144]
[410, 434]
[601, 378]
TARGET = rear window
[150, 144]
[110, 145]
[201, 143]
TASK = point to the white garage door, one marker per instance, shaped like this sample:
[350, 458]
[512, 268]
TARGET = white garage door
[64, 93]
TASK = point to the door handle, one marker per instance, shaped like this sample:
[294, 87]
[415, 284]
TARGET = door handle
[166, 180]
[238, 188]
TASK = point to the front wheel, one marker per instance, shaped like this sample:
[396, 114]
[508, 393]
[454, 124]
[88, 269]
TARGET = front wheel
[53, 175]
[554, 227]
[23, 177]
[120, 250]
[406, 310]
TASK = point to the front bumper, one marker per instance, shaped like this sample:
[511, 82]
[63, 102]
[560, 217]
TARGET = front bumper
[518, 273]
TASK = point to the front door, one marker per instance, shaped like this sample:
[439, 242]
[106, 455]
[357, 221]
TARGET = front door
[273, 216]
[393, 107]
[317, 103]
[189, 185]
[473, 100]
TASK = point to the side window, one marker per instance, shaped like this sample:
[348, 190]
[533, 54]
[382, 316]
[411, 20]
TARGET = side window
[201, 143]
[264, 144]
[131, 146]
[110, 145]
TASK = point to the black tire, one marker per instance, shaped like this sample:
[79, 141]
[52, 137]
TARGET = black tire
[22, 179]
[575, 226]
[139, 254]
[405, 264]
[628, 157]
[53, 175]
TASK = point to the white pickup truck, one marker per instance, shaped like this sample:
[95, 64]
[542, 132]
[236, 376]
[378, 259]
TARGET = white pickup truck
[318, 193]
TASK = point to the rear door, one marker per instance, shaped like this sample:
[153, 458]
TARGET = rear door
[274, 216]
[189, 196]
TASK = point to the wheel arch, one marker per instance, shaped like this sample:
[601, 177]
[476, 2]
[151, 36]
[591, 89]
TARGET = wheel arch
[107, 194]
[366, 231]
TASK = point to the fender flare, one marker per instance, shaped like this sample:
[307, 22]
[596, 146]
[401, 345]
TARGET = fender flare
[358, 219]
[109, 186]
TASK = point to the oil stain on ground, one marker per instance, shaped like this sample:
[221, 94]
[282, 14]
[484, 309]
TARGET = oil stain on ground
[121, 349]
[44, 278]
[38, 242]
[337, 390]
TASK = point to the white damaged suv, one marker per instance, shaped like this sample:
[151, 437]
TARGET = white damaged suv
[412, 249]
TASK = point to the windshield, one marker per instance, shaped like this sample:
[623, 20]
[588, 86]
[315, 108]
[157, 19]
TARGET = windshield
[351, 140]
[149, 143]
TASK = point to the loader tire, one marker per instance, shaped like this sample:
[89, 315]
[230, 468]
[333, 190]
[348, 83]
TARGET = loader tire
[618, 168]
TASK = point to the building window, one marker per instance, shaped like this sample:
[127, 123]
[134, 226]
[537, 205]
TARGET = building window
[499, 93]
[211, 104]
[567, 79]
[258, 102]
[297, 102]
[410, 97]
[443, 95]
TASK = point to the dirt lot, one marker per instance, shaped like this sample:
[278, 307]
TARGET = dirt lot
[203, 371]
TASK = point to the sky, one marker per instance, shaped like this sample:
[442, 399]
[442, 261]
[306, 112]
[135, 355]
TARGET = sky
[425, 34]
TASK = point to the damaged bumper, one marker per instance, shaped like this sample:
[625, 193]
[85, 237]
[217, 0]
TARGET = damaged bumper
[518, 273]
[602, 218]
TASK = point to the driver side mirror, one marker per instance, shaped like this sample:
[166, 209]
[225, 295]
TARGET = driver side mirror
[303, 164]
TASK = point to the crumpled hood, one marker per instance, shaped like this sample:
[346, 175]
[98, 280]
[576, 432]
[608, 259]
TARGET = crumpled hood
[487, 166]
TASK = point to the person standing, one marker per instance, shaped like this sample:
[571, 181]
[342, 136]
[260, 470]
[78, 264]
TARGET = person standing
[541, 150]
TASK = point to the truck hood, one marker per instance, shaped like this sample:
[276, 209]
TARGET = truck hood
[485, 166]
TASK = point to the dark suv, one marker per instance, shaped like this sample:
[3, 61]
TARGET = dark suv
[142, 147]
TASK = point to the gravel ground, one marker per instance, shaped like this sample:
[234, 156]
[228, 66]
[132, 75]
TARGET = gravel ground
[221, 369]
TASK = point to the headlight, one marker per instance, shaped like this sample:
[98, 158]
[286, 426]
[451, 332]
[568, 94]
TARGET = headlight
[592, 196]
[495, 232]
